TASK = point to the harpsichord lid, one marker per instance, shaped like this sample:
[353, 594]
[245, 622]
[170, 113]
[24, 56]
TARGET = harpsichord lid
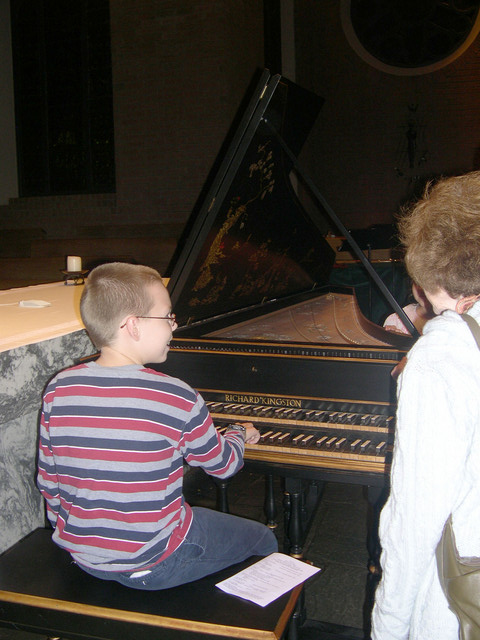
[252, 240]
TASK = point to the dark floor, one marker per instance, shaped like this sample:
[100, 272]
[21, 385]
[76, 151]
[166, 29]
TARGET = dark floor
[336, 598]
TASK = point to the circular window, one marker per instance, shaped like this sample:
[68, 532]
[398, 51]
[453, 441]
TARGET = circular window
[410, 37]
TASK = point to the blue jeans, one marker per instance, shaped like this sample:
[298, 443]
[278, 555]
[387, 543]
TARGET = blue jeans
[215, 540]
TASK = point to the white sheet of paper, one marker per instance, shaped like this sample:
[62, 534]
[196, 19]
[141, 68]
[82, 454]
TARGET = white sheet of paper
[268, 579]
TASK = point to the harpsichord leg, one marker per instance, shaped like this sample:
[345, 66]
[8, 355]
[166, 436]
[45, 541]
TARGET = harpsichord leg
[222, 494]
[300, 504]
[269, 504]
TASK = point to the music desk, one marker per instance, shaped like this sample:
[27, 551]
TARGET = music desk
[42, 591]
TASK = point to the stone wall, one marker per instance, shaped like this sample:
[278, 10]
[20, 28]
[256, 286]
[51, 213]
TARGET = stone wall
[181, 70]
[358, 152]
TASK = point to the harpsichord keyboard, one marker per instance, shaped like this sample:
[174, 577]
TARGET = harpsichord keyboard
[330, 435]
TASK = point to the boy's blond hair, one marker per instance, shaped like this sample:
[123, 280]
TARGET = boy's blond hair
[113, 291]
[441, 234]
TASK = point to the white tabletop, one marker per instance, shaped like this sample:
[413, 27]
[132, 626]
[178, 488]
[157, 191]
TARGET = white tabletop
[26, 325]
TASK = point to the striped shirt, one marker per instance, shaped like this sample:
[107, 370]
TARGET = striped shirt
[112, 445]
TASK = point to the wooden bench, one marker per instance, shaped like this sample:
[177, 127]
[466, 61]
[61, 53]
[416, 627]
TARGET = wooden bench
[43, 591]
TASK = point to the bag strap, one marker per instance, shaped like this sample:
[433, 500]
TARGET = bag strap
[474, 327]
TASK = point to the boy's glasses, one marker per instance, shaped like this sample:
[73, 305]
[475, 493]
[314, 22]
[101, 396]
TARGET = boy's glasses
[172, 318]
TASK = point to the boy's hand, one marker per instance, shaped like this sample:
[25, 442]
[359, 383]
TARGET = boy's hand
[252, 435]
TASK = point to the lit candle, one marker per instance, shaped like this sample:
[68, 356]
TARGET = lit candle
[74, 263]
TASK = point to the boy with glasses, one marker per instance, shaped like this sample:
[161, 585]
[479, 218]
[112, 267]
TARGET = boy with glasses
[114, 435]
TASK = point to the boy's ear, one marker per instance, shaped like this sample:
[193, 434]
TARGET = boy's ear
[466, 303]
[131, 325]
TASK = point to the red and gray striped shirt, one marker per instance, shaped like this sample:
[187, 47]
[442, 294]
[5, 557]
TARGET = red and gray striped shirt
[113, 441]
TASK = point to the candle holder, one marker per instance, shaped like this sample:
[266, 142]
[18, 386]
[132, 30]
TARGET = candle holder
[74, 277]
